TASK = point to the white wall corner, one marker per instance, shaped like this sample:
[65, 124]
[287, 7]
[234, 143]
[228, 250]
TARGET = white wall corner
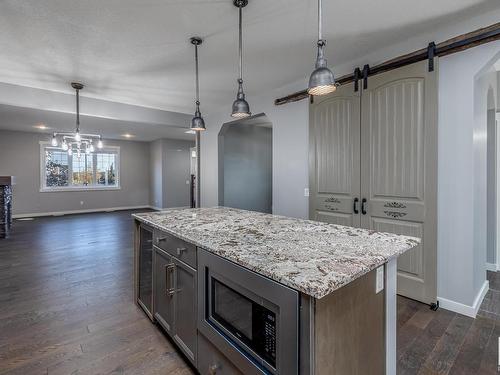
[492, 267]
[463, 309]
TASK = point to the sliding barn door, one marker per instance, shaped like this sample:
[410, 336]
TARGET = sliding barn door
[398, 169]
[334, 157]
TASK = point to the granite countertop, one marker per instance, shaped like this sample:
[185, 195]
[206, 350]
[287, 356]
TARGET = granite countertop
[312, 257]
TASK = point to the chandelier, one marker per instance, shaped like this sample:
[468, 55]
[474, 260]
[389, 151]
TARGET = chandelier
[77, 142]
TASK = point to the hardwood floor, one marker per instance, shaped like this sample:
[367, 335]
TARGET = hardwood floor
[66, 308]
[66, 304]
[442, 342]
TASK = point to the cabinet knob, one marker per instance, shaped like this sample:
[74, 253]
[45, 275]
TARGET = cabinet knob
[180, 250]
[212, 370]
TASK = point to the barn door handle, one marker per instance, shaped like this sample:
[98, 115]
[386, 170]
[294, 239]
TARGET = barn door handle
[363, 202]
[355, 207]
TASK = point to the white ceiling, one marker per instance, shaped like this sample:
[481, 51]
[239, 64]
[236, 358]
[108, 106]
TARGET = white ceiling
[31, 120]
[137, 51]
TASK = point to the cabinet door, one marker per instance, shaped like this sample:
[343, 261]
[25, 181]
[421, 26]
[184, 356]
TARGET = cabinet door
[164, 289]
[334, 157]
[185, 308]
[145, 289]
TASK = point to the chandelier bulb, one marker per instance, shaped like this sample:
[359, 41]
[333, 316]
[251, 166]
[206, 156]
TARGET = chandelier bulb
[54, 141]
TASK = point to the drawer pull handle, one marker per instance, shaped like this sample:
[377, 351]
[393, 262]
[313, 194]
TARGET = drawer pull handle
[212, 370]
[169, 269]
[180, 250]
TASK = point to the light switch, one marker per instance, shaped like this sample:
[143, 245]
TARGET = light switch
[306, 192]
[380, 280]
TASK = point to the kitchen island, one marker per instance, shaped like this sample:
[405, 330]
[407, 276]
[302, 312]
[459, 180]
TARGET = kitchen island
[246, 292]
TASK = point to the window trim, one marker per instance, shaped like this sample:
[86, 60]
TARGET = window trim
[45, 189]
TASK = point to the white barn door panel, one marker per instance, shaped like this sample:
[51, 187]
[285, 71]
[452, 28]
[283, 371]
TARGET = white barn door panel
[398, 169]
[379, 149]
[334, 157]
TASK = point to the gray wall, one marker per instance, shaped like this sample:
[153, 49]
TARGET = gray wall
[20, 157]
[245, 166]
[156, 173]
[290, 152]
[170, 173]
[462, 174]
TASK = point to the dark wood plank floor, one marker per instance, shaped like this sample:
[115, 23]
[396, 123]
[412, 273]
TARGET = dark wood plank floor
[66, 308]
[66, 304]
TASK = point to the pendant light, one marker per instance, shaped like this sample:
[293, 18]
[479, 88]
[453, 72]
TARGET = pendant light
[240, 105]
[197, 123]
[322, 81]
[76, 140]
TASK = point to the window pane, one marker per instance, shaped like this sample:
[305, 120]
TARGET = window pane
[56, 168]
[106, 169]
[83, 170]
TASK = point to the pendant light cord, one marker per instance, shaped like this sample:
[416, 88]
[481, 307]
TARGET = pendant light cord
[197, 79]
[320, 21]
[77, 110]
[240, 48]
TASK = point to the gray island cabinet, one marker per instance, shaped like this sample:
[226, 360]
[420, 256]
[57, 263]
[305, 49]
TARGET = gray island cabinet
[242, 292]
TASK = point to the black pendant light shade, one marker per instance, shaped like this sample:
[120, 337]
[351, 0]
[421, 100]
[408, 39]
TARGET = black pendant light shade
[240, 105]
[322, 81]
[197, 123]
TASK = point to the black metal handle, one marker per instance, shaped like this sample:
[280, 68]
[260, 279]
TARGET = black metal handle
[363, 202]
[355, 207]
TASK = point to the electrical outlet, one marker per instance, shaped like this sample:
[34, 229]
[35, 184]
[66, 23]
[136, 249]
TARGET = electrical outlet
[380, 280]
[81, 203]
[306, 192]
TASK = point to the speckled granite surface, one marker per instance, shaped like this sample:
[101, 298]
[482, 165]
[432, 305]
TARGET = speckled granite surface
[312, 257]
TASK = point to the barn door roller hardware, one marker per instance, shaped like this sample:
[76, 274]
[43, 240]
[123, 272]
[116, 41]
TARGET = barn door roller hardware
[453, 45]
[357, 77]
[366, 72]
[431, 52]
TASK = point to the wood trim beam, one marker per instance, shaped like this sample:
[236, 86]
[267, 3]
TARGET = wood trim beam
[453, 45]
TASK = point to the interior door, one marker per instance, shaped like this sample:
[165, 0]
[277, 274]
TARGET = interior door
[334, 180]
[399, 169]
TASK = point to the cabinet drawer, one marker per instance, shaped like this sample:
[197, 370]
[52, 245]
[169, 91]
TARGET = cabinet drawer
[176, 247]
[211, 361]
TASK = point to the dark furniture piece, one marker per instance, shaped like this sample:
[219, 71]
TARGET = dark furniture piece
[6, 183]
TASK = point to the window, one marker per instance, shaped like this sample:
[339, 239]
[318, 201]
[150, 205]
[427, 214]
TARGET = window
[97, 171]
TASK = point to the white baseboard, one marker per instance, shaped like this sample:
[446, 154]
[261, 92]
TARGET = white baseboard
[169, 208]
[71, 212]
[491, 267]
[463, 309]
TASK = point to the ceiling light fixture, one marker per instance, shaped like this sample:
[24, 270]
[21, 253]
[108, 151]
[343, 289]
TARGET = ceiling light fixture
[197, 123]
[76, 140]
[240, 105]
[322, 81]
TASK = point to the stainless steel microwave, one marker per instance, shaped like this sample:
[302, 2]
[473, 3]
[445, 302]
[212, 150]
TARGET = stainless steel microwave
[253, 320]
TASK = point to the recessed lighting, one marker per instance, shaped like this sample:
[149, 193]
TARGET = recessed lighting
[41, 126]
[127, 135]
[190, 132]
